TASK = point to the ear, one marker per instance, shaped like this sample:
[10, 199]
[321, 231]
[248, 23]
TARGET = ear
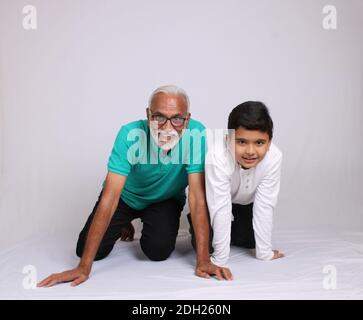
[187, 120]
[230, 136]
[269, 144]
[147, 113]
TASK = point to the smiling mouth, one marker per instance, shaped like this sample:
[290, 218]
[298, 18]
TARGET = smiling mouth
[249, 159]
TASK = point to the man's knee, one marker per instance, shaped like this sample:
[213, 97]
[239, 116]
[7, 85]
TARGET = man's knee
[101, 254]
[157, 250]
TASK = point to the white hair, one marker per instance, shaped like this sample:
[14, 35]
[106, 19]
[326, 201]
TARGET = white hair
[170, 89]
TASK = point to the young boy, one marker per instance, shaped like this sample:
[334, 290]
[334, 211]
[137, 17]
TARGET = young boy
[242, 184]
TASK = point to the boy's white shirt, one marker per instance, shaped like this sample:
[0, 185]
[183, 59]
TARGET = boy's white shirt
[227, 183]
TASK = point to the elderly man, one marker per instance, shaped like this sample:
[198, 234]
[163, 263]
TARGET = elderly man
[144, 181]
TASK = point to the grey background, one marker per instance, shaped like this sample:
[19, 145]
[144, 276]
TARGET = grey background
[67, 87]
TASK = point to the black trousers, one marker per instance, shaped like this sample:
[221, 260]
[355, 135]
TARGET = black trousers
[242, 234]
[160, 228]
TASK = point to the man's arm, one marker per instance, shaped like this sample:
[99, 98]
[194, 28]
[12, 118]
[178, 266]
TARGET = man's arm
[218, 189]
[105, 210]
[199, 215]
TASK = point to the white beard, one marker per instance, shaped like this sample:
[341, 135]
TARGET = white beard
[165, 139]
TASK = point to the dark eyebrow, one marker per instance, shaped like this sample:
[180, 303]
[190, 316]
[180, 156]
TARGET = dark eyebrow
[258, 140]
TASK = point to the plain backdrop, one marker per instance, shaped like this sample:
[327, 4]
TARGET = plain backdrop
[89, 67]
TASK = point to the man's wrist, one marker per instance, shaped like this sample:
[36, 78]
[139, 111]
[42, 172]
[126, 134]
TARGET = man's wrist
[203, 259]
[86, 266]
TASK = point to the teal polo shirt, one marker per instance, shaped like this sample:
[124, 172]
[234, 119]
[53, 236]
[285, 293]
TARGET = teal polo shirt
[152, 175]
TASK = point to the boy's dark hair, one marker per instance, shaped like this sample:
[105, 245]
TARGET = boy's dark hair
[251, 115]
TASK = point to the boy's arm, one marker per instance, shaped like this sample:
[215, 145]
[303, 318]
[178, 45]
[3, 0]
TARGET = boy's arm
[264, 203]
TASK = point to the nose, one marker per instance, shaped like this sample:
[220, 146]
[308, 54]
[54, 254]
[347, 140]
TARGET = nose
[167, 125]
[250, 149]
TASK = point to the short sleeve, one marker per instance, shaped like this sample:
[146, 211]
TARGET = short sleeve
[118, 162]
[197, 150]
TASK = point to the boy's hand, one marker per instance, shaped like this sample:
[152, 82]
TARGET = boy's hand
[277, 255]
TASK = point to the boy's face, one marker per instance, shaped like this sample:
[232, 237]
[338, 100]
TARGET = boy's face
[250, 147]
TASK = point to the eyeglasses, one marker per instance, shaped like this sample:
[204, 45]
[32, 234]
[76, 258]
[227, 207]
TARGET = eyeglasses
[176, 121]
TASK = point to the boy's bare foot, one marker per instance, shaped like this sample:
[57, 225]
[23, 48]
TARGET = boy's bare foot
[277, 254]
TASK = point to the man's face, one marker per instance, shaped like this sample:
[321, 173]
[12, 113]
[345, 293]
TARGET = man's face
[167, 132]
[250, 146]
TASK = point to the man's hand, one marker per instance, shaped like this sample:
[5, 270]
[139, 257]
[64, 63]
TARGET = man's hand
[127, 232]
[77, 276]
[277, 255]
[207, 269]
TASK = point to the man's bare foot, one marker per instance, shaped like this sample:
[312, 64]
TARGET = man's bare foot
[127, 232]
